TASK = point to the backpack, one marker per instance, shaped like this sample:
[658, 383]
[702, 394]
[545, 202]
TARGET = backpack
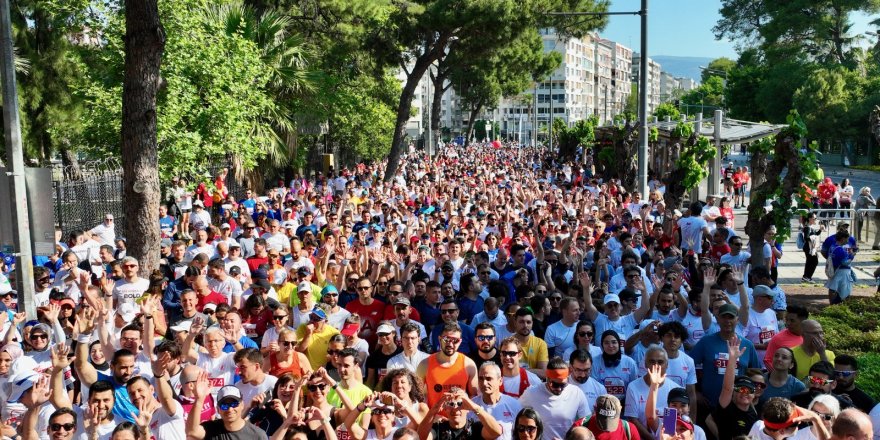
[800, 239]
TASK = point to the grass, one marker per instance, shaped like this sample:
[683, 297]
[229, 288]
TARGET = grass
[867, 167]
[854, 328]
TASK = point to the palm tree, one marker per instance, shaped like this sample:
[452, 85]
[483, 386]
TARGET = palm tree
[288, 56]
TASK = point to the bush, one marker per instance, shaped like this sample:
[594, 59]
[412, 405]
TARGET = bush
[852, 328]
[869, 374]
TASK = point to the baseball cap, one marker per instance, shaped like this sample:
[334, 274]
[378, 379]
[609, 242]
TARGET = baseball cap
[679, 395]
[669, 262]
[610, 298]
[228, 392]
[318, 313]
[198, 203]
[166, 242]
[402, 300]
[234, 244]
[743, 381]
[209, 306]
[303, 270]
[20, 383]
[280, 276]
[607, 412]
[304, 286]
[629, 294]
[384, 328]
[262, 282]
[235, 270]
[350, 329]
[182, 326]
[127, 311]
[762, 290]
[728, 309]
[225, 226]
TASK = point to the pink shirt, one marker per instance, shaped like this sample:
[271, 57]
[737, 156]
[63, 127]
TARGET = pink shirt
[784, 338]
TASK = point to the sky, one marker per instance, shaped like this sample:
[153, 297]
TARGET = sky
[679, 27]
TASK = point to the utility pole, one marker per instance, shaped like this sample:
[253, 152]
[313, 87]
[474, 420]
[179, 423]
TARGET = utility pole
[550, 118]
[18, 204]
[643, 104]
[429, 140]
[535, 118]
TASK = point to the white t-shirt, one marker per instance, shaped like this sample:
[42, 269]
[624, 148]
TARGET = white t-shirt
[594, 351]
[168, 427]
[694, 326]
[400, 360]
[511, 384]
[637, 397]
[615, 378]
[504, 412]
[107, 233]
[681, 370]
[337, 319]
[221, 370]
[692, 231]
[592, 389]
[248, 391]
[271, 336]
[229, 287]
[560, 336]
[126, 292]
[557, 412]
[193, 251]
[761, 327]
[624, 326]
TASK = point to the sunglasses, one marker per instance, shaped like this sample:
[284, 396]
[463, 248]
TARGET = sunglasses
[826, 417]
[454, 404]
[39, 336]
[9, 295]
[381, 411]
[208, 312]
[485, 273]
[316, 387]
[331, 294]
[333, 352]
[556, 385]
[278, 317]
[485, 338]
[819, 381]
[43, 280]
[364, 288]
[745, 390]
[509, 353]
[394, 292]
[555, 298]
[448, 311]
[64, 426]
[453, 341]
[760, 386]
[288, 343]
[381, 284]
[526, 428]
[585, 334]
[844, 373]
[229, 405]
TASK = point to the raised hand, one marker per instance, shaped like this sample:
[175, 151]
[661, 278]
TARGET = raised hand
[19, 318]
[198, 324]
[85, 321]
[709, 276]
[52, 313]
[40, 391]
[145, 413]
[160, 363]
[656, 375]
[733, 349]
[203, 387]
[60, 360]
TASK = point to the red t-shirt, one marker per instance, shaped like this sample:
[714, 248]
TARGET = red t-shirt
[618, 434]
[212, 298]
[254, 262]
[370, 315]
[717, 251]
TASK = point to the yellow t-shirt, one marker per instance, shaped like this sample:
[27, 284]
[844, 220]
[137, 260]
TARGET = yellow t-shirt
[356, 395]
[804, 362]
[293, 298]
[317, 350]
[534, 351]
[285, 292]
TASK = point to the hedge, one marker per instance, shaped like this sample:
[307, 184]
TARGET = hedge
[854, 328]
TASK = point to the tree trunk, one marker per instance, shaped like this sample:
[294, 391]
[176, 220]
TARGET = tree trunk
[144, 44]
[435, 108]
[471, 120]
[434, 50]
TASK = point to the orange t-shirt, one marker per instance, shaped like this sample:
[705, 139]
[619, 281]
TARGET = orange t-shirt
[441, 379]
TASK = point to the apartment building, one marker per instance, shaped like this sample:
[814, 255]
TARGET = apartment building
[654, 80]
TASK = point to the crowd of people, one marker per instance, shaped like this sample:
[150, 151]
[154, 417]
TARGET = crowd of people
[487, 293]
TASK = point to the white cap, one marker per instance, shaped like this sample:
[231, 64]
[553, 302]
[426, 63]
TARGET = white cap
[128, 311]
[280, 276]
[609, 298]
[228, 391]
[385, 328]
[225, 226]
[305, 285]
[182, 326]
[209, 306]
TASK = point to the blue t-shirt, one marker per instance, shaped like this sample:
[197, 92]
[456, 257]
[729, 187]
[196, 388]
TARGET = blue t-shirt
[122, 406]
[468, 308]
[245, 342]
[467, 345]
[791, 387]
[711, 352]
[166, 225]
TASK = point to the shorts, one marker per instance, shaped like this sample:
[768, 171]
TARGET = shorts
[185, 211]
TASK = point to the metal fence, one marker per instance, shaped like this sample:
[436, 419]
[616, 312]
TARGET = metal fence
[83, 196]
[862, 224]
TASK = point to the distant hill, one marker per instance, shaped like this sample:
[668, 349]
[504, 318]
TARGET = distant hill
[688, 67]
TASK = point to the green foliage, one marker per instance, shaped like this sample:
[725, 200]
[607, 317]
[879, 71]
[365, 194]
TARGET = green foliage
[710, 93]
[667, 109]
[361, 116]
[216, 101]
[582, 133]
[829, 100]
[693, 158]
[852, 328]
[717, 67]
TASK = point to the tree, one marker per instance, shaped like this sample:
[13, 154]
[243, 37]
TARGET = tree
[144, 45]
[694, 153]
[717, 67]
[416, 35]
[568, 139]
[789, 168]
[667, 109]
[708, 94]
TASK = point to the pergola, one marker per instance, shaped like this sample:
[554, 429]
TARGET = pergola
[662, 154]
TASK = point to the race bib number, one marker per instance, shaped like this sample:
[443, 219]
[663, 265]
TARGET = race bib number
[615, 386]
[216, 382]
[721, 362]
[766, 334]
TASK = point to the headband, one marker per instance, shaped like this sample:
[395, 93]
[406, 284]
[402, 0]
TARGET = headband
[558, 374]
[782, 425]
